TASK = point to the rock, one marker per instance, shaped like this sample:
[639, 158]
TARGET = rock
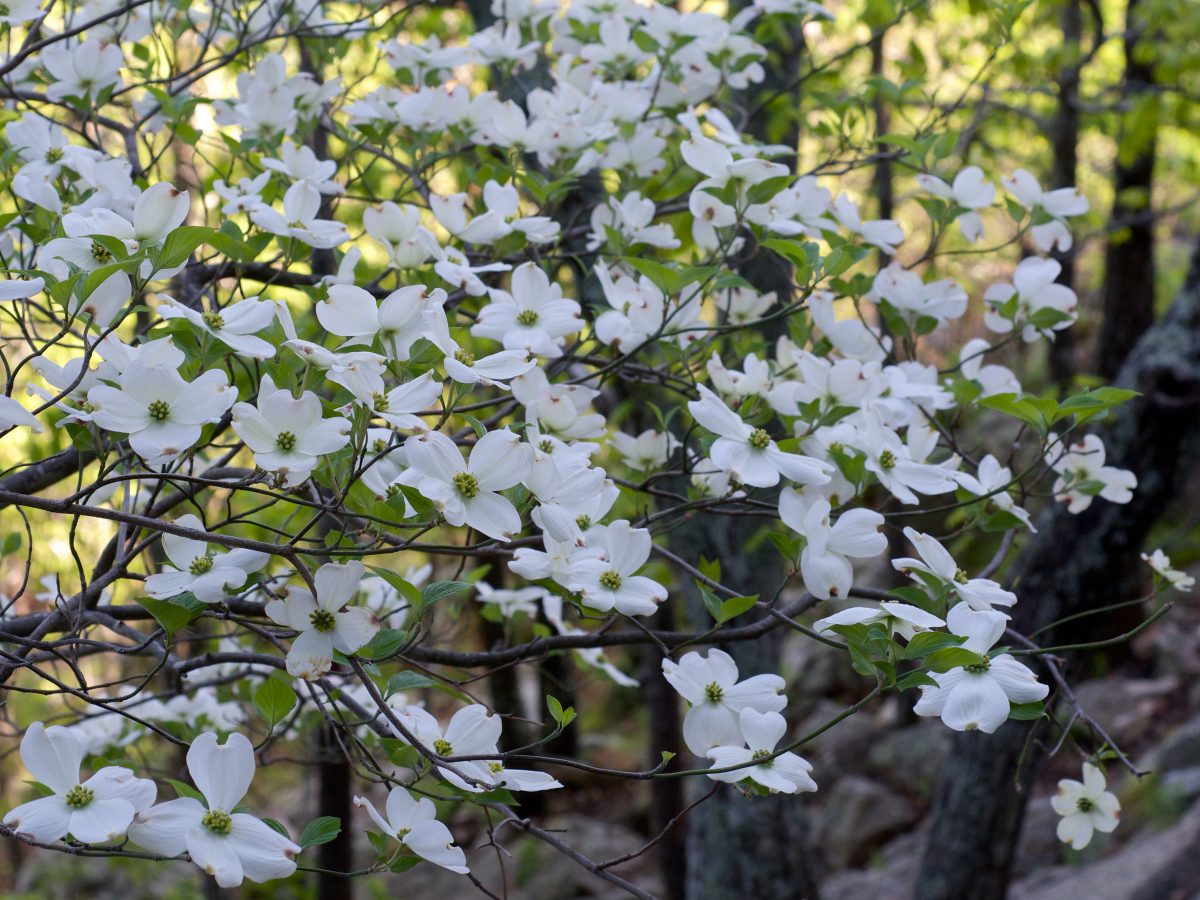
[1181, 749]
[857, 818]
[857, 884]
[1153, 866]
[909, 759]
[1127, 708]
[1038, 845]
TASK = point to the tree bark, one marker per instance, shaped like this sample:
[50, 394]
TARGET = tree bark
[1065, 140]
[1128, 304]
[980, 800]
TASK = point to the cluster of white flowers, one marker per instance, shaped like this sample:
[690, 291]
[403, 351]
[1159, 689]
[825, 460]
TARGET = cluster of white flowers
[447, 373]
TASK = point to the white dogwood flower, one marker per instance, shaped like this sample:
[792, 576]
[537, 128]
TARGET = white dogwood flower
[710, 684]
[1161, 564]
[786, 773]
[209, 576]
[749, 454]
[1086, 807]
[288, 434]
[324, 623]
[825, 559]
[611, 581]
[229, 845]
[467, 493]
[92, 812]
[413, 822]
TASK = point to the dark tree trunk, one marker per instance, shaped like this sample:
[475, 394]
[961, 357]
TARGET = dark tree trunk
[334, 790]
[730, 850]
[1128, 303]
[981, 797]
[1065, 140]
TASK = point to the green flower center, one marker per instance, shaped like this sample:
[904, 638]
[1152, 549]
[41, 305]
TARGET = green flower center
[495, 767]
[379, 401]
[159, 410]
[584, 521]
[214, 320]
[201, 564]
[467, 484]
[322, 620]
[960, 576]
[54, 154]
[887, 460]
[78, 797]
[527, 317]
[402, 833]
[1085, 805]
[379, 446]
[611, 580]
[979, 668]
[442, 747]
[760, 757]
[714, 692]
[392, 490]
[286, 441]
[546, 446]
[100, 253]
[759, 439]
[217, 821]
[467, 359]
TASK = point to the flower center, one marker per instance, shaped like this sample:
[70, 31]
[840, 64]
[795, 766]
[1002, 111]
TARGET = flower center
[379, 401]
[214, 320]
[960, 576]
[100, 253]
[546, 446]
[322, 620]
[467, 359]
[527, 317]
[887, 460]
[442, 747]
[1085, 805]
[611, 580]
[402, 833]
[495, 767]
[392, 490]
[978, 668]
[54, 154]
[584, 521]
[759, 439]
[78, 797]
[467, 484]
[286, 441]
[762, 755]
[201, 564]
[217, 821]
[159, 410]
[714, 692]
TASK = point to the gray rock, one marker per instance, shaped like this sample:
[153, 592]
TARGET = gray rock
[857, 818]
[1038, 845]
[909, 759]
[1127, 708]
[1134, 872]
[1181, 749]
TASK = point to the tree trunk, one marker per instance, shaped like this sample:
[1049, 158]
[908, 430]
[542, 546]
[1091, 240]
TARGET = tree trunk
[1129, 259]
[981, 797]
[1065, 139]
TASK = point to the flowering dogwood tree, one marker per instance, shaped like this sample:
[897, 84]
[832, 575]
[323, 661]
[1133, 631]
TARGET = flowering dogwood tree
[315, 333]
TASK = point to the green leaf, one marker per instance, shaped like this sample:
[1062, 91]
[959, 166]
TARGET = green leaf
[408, 591]
[386, 643]
[929, 642]
[320, 831]
[951, 658]
[12, 543]
[1026, 712]
[562, 717]
[914, 679]
[180, 243]
[735, 606]
[711, 601]
[44, 790]
[185, 790]
[171, 616]
[439, 590]
[408, 681]
[274, 699]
